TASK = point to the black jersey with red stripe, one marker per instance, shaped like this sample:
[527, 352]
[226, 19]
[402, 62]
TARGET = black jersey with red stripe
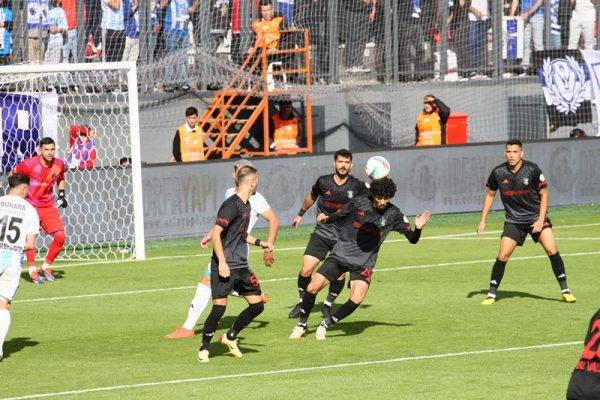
[233, 217]
[331, 197]
[585, 380]
[363, 228]
[519, 191]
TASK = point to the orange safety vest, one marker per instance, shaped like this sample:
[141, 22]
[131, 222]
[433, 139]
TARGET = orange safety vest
[429, 128]
[286, 132]
[191, 144]
[267, 32]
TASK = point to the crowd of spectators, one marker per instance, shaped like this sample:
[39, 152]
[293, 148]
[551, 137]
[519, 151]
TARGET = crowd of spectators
[111, 31]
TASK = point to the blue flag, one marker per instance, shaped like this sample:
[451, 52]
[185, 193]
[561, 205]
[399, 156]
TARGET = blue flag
[21, 127]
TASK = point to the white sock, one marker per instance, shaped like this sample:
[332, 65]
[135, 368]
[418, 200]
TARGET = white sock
[31, 270]
[4, 324]
[198, 305]
[46, 266]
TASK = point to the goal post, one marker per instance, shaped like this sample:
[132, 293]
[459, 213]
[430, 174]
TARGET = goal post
[91, 111]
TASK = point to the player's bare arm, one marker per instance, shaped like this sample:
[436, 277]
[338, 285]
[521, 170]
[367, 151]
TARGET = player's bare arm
[306, 204]
[487, 205]
[422, 219]
[273, 220]
[544, 200]
[218, 249]
[260, 243]
[206, 240]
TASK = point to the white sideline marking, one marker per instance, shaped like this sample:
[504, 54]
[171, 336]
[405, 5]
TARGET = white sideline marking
[293, 370]
[208, 254]
[421, 266]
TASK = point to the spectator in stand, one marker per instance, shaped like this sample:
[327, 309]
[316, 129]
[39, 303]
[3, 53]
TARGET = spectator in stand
[176, 41]
[113, 30]
[78, 130]
[478, 25]
[37, 28]
[82, 153]
[93, 22]
[555, 27]
[430, 129]
[459, 28]
[286, 128]
[582, 22]
[132, 30]
[220, 20]
[159, 10]
[577, 133]
[237, 47]
[532, 11]
[285, 8]
[6, 26]
[356, 17]
[188, 143]
[69, 51]
[57, 30]
[312, 14]
[410, 36]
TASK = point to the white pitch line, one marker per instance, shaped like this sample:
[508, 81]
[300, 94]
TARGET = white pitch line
[498, 239]
[294, 370]
[407, 267]
[208, 254]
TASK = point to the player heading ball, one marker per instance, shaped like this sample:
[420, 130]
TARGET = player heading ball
[364, 223]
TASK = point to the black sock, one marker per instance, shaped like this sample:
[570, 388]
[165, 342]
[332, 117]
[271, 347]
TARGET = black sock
[308, 302]
[245, 317]
[303, 282]
[345, 309]
[558, 266]
[497, 274]
[210, 326]
[335, 288]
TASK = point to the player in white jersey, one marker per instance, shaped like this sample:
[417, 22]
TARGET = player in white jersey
[19, 225]
[259, 206]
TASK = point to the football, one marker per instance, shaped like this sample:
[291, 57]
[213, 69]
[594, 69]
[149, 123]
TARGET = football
[377, 167]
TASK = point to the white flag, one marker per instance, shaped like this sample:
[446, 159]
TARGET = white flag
[592, 60]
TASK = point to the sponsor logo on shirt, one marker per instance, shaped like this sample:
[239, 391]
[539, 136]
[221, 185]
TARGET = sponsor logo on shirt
[327, 193]
[382, 222]
[526, 181]
[350, 194]
[505, 181]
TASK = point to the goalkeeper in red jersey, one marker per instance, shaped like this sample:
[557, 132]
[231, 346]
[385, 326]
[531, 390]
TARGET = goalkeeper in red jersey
[44, 172]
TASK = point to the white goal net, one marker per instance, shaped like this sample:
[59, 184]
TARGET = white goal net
[91, 112]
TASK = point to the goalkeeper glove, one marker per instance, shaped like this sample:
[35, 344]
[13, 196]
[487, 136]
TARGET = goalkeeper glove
[61, 201]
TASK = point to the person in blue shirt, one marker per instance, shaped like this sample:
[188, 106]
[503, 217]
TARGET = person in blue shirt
[132, 30]
[6, 25]
[532, 12]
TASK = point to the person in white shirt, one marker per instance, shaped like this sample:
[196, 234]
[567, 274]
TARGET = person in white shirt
[20, 225]
[259, 206]
[478, 24]
[582, 22]
[57, 21]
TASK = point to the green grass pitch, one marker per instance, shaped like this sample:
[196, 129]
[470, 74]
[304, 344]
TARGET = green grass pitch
[97, 332]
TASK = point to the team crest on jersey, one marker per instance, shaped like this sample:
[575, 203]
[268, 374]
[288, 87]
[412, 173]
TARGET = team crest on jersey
[526, 181]
[350, 194]
[382, 222]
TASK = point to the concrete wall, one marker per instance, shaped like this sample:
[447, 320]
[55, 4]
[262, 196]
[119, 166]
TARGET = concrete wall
[344, 115]
[183, 199]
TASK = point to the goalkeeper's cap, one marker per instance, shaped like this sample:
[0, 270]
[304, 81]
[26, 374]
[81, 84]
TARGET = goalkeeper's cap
[242, 163]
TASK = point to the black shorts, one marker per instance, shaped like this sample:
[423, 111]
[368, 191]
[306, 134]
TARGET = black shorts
[583, 386]
[333, 268]
[519, 232]
[318, 246]
[241, 280]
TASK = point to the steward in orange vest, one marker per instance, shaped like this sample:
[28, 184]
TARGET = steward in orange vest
[430, 129]
[267, 29]
[286, 127]
[188, 143]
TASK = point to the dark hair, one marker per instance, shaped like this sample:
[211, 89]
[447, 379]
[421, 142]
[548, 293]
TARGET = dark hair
[124, 160]
[47, 140]
[342, 153]
[514, 142]
[17, 179]
[243, 173]
[577, 133]
[191, 111]
[384, 187]
[265, 3]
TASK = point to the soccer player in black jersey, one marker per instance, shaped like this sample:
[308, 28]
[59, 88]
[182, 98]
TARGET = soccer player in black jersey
[229, 265]
[364, 224]
[585, 380]
[524, 193]
[330, 192]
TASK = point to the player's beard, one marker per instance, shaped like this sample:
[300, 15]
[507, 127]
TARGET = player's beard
[340, 174]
